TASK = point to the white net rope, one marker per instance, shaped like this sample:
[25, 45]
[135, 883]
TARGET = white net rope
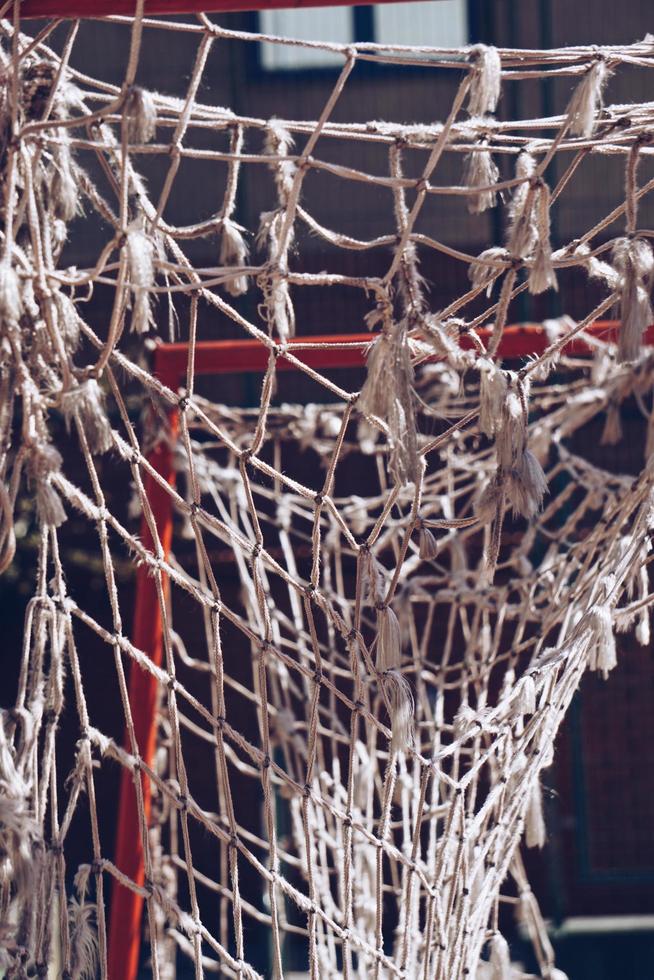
[376, 610]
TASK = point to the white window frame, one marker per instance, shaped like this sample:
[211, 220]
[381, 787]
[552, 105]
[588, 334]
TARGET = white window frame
[307, 23]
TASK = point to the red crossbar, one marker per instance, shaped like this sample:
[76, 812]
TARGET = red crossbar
[104, 8]
[348, 350]
[227, 357]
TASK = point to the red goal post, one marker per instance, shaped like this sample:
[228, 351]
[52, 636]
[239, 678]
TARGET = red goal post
[106, 8]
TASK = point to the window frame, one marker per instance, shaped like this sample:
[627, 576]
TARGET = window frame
[363, 31]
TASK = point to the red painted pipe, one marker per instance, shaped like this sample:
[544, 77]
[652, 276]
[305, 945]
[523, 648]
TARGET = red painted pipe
[226, 357]
[104, 8]
[126, 905]
[349, 350]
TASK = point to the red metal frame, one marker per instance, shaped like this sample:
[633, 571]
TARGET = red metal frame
[226, 357]
[104, 8]
[147, 634]
[348, 350]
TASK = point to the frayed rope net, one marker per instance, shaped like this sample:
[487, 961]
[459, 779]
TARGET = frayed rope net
[371, 655]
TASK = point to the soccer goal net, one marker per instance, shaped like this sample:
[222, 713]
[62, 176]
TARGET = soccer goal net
[291, 672]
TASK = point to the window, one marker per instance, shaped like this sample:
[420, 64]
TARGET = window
[442, 23]
[315, 24]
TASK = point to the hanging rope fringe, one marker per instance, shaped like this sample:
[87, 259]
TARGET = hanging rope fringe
[83, 940]
[500, 958]
[396, 688]
[487, 267]
[542, 276]
[233, 248]
[278, 307]
[85, 402]
[140, 257]
[634, 262]
[485, 81]
[586, 103]
[428, 547]
[43, 462]
[522, 234]
[387, 394]
[233, 252]
[480, 172]
[535, 833]
[140, 115]
[603, 656]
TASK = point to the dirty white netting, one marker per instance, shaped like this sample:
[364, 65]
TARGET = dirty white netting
[377, 607]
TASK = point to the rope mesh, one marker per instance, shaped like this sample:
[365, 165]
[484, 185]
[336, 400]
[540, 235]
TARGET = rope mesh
[377, 608]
